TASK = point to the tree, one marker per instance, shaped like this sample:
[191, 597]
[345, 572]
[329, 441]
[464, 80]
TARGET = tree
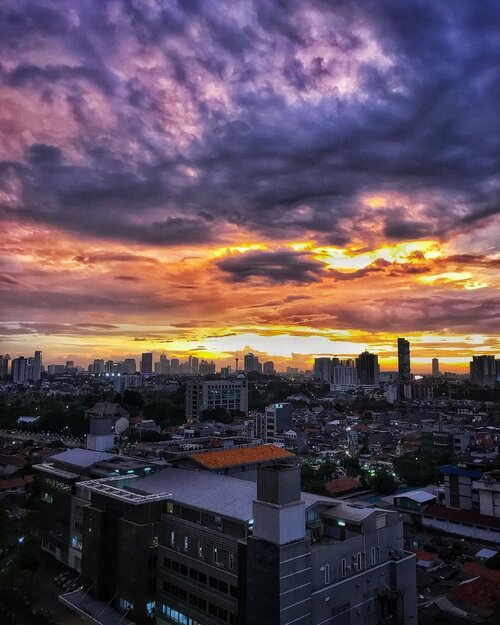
[416, 472]
[384, 482]
[352, 466]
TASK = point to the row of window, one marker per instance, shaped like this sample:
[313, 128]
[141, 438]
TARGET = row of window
[357, 565]
[57, 485]
[201, 578]
[178, 617]
[205, 551]
[199, 603]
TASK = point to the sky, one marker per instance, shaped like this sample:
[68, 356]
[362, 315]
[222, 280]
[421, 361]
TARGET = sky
[296, 178]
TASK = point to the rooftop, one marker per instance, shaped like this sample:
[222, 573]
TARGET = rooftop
[461, 516]
[243, 455]
[220, 494]
[420, 496]
[82, 458]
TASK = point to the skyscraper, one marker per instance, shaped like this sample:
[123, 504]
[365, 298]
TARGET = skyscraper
[164, 365]
[147, 362]
[435, 367]
[404, 368]
[483, 370]
[129, 365]
[36, 366]
[268, 368]
[193, 364]
[323, 368]
[368, 370]
[19, 370]
[4, 366]
[252, 364]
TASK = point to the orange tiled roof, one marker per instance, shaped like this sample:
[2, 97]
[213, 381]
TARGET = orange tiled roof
[241, 455]
[342, 484]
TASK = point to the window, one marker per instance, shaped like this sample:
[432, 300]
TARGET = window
[231, 561]
[359, 560]
[170, 507]
[223, 587]
[172, 539]
[213, 582]
[341, 614]
[200, 550]
[326, 570]
[373, 556]
[186, 543]
[47, 497]
[216, 554]
[344, 567]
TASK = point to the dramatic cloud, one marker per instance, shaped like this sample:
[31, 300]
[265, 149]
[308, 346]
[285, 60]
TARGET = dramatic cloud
[156, 154]
[280, 266]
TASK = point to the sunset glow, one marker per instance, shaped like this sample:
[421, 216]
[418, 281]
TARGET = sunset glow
[294, 187]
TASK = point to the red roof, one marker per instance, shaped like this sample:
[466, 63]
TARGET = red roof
[482, 592]
[428, 556]
[462, 516]
[342, 485]
[15, 460]
[240, 456]
[15, 482]
[481, 571]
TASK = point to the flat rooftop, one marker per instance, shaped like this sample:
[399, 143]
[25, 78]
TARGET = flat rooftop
[220, 494]
[243, 455]
[83, 458]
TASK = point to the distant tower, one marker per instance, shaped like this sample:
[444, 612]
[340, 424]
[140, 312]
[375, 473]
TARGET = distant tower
[147, 362]
[435, 367]
[237, 362]
[404, 368]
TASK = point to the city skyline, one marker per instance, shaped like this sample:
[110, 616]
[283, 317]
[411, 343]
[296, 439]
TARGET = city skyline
[293, 181]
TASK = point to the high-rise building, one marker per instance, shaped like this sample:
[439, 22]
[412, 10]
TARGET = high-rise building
[36, 367]
[206, 368]
[268, 368]
[175, 366]
[367, 368]
[164, 365]
[108, 366]
[19, 370]
[147, 362]
[345, 376]
[435, 367]
[4, 366]
[129, 365]
[252, 364]
[210, 394]
[193, 364]
[323, 368]
[98, 366]
[483, 370]
[404, 367]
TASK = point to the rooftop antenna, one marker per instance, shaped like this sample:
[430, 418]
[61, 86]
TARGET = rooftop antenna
[236, 362]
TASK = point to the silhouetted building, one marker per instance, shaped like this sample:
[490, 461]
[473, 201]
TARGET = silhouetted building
[367, 368]
[404, 367]
[483, 370]
[147, 362]
[435, 367]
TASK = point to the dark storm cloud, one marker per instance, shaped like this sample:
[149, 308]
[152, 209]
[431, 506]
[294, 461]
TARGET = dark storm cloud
[288, 153]
[273, 267]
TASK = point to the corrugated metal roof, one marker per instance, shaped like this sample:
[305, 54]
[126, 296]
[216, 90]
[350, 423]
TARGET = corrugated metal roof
[220, 494]
[239, 456]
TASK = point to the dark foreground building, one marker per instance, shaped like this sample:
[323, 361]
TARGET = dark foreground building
[196, 548]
